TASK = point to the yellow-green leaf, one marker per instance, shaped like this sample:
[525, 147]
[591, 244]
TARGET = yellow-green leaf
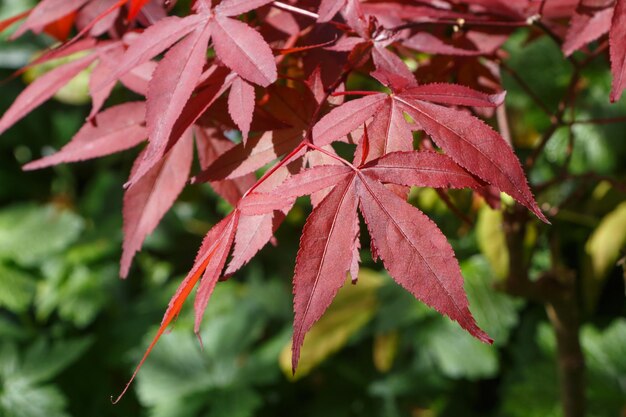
[385, 349]
[492, 241]
[606, 241]
[74, 92]
[352, 308]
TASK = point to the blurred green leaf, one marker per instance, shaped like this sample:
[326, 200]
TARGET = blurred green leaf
[495, 312]
[44, 361]
[235, 354]
[77, 295]
[532, 391]
[19, 398]
[456, 353]
[385, 350]
[235, 403]
[492, 241]
[76, 91]
[605, 353]
[606, 241]
[30, 234]
[21, 392]
[17, 289]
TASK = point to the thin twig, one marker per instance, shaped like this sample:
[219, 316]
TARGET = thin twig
[294, 9]
[592, 176]
[528, 90]
[453, 208]
[462, 23]
[598, 121]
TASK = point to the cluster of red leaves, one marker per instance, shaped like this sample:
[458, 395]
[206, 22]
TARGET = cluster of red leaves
[277, 74]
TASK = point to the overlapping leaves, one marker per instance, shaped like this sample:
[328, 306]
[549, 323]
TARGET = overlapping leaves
[192, 97]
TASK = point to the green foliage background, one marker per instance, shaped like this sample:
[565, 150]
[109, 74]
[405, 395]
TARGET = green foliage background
[71, 332]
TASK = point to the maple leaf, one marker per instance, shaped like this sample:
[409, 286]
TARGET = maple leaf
[147, 201]
[81, 56]
[326, 254]
[42, 89]
[171, 130]
[104, 13]
[211, 143]
[8, 22]
[589, 23]
[241, 105]
[48, 12]
[176, 77]
[295, 108]
[585, 28]
[116, 129]
[466, 139]
[207, 267]
[192, 96]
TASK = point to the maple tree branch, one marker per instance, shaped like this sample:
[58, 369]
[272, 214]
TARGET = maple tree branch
[556, 38]
[453, 208]
[306, 142]
[547, 135]
[518, 283]
[503, 124]
[598, 121]
[281, 163]
[333, 156]
[568, 100]
[294, 9]
[528, 90]
[587, 176]
[354, 93]
[461, 23]
[556, 289]
[564, 316]
[596, 53]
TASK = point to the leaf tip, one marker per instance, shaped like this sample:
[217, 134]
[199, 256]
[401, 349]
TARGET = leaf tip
[197, 332]
[295, 358]
[537, 211]
[498, 98]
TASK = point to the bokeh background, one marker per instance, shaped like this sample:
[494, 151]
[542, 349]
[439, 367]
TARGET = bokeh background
[71, 331]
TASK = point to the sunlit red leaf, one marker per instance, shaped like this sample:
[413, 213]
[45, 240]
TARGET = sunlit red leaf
[115, 129]
[209, 256]
[324, 259]
[42, 89]
[134, 7]
[416, 253]
[241, 105]
[474, 146]
[47, 12]
[147, 201]
[243, 50]
[617, 39]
